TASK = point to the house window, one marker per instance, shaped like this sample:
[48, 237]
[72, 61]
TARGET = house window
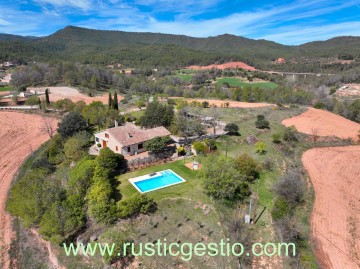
[128, 149]
[140, 146]
[96, 139]
[106, 135]
[117, 149]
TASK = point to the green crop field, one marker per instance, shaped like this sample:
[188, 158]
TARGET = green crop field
[185, 77]
[6, 88]
[236, 82]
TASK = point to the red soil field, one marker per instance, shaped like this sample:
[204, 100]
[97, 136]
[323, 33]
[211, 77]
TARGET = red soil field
[335, 175]
[21, 134]
[218, 103]
[57, 93]
[223, 66]
[324, 123]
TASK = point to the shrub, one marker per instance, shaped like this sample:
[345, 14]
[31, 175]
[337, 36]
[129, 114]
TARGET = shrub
[276, 138]
[32, 100]
[156, 144]
[205, 104]
[211, 144]
[56, 150]
[71, 124]
[260, 147]
[81, 176]
[281, 209]
[291, 187]
[200, 147]
[247, 166]
[135, 205]
[109, 160]
[171, 101]
[319, 105]
[222, 180]
[231, 128]
[261, 122]
[268, 164]
[290, 134]
[181, 151]
[100, 205]
[77, 146]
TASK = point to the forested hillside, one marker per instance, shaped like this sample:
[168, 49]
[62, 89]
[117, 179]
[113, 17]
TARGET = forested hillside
[165, 50]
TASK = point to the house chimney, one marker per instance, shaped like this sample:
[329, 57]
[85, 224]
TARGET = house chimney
[116, 123]
[129, 135]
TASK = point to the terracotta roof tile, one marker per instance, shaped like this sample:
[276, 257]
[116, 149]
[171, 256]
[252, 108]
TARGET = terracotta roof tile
[130, 134]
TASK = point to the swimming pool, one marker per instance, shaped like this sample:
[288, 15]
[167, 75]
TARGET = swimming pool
[155, 181]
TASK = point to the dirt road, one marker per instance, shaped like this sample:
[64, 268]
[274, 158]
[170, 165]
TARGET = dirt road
[324, 123]
[21, 134]
[335, 175]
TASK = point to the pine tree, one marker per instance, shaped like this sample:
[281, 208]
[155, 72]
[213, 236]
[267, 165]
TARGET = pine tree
[110, 101]
[47, 99]
[116, 103]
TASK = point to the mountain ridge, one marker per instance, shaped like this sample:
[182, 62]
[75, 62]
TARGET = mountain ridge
[110, 46]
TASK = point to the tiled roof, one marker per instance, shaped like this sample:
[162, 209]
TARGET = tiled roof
[130, 134]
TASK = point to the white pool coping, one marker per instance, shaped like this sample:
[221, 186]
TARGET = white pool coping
[145, 177]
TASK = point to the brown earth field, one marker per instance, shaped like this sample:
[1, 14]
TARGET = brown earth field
[335, 221]
[218, 103]
[223, 66]
[21, 134]
[57, 93]
[324, 123]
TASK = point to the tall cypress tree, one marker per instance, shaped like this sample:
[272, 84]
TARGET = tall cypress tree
[47, 99]
[116, 103]
[110, 101]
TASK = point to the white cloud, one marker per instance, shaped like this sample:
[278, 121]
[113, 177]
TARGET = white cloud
[297, 35]
[81, 4]
[4, 22]
[278, 22]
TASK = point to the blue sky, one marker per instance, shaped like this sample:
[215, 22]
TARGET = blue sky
[286, 22]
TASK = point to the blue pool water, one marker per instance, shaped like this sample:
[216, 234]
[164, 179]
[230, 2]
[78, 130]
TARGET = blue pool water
[160, 180]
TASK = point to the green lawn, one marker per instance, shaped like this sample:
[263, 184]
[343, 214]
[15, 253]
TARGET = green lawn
[236, 82]
[6, 88]
[192, 186]
[137, 114]
[185, 77]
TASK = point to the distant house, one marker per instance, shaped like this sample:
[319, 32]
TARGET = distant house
[128, 139]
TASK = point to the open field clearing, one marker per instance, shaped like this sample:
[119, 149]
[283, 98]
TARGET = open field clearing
[335, 174]
[223, 66]
[21, 134]
[237, 82]
[349, 90]
[57, 93]
[231, 103]
[323, 123]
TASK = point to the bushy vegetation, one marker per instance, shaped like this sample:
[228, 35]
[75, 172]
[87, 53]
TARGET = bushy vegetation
[157, 114]
[135, 205]
[260, 147]
[157, 144]
[226, 178]
[261, 122]
[231, 128]
[60, 199]
[71, 124]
